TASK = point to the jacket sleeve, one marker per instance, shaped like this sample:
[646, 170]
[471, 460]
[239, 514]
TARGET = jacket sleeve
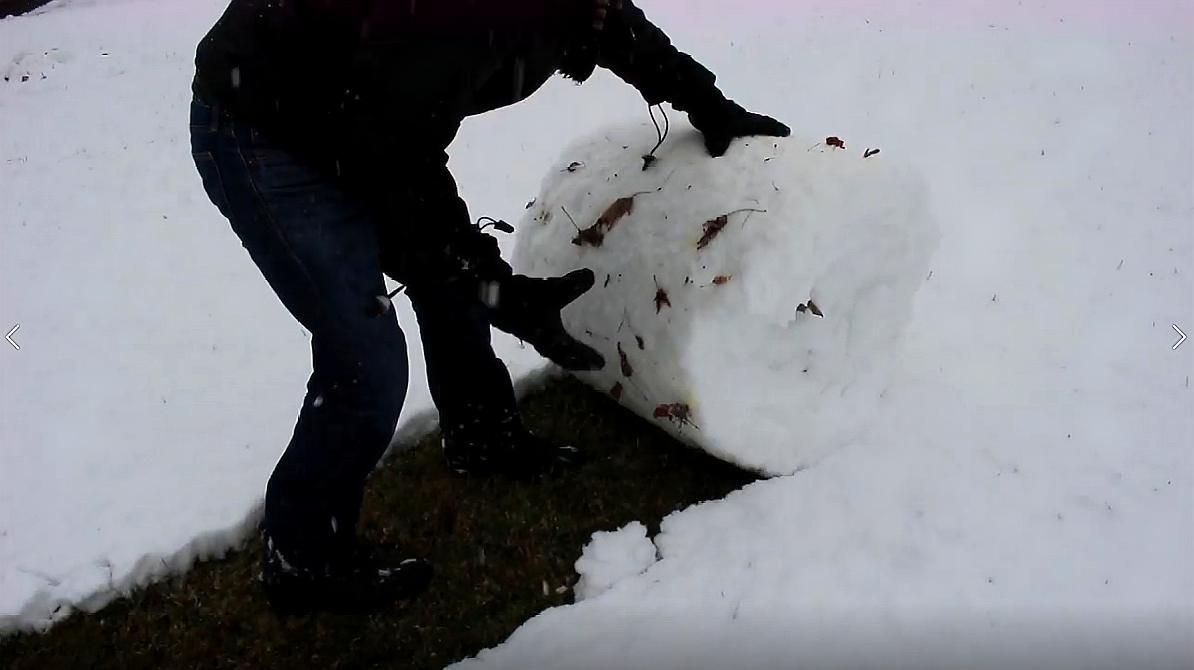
[424, 230]
[642, 55]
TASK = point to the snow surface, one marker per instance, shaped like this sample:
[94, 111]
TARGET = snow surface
[709, 321]
[1024, 486]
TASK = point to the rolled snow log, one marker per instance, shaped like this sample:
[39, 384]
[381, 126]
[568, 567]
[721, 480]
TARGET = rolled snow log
[751, 305]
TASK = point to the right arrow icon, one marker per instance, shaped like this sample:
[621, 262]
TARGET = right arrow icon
[1179, 332]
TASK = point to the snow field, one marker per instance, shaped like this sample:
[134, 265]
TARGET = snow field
[1023, 486]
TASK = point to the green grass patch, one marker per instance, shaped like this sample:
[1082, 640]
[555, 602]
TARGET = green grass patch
[493, 542]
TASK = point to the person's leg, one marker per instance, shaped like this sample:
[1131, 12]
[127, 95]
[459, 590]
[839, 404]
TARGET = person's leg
[482, 429]
[468, 382]
[318, 250]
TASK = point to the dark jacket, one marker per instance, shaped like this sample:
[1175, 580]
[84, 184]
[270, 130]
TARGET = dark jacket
[373, 91]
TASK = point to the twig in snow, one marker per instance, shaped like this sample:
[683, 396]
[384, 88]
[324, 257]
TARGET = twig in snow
[650, 158]
[570, 218]
[713, 227]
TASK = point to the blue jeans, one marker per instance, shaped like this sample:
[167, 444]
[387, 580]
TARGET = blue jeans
[317, 247]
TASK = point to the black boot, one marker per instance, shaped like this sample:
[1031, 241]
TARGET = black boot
[355, 579]
[502, 445]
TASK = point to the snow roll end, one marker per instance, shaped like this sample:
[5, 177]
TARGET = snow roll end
[751, 303]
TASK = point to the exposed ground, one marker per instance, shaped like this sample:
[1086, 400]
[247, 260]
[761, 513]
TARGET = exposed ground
[495, 545]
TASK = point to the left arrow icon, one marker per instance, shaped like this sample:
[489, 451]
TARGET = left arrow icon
[9, 337]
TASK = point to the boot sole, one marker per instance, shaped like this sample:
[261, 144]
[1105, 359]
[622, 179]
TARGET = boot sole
[294, 601]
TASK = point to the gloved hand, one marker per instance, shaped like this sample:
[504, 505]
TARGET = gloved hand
[727, 121]
[529, 309]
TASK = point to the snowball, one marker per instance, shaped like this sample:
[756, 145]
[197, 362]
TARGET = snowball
[712, 327]
[612, 556]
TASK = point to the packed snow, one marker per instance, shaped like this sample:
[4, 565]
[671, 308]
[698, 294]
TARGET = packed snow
[1020, 495]
[611, 557]
[782, 273]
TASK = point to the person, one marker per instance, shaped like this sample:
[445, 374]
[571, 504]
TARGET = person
[319, 129]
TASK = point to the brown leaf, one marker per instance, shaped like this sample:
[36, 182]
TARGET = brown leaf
[678, 412]
[661, 300]
[592, 237]
[711, 229]
[835, 142]
[722, 279]
[809, 307]
[627, 371]
[616, 391]
[614, 213]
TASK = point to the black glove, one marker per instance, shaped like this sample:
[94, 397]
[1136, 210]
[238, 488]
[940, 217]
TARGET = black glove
[727, 121]
[529, 309]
